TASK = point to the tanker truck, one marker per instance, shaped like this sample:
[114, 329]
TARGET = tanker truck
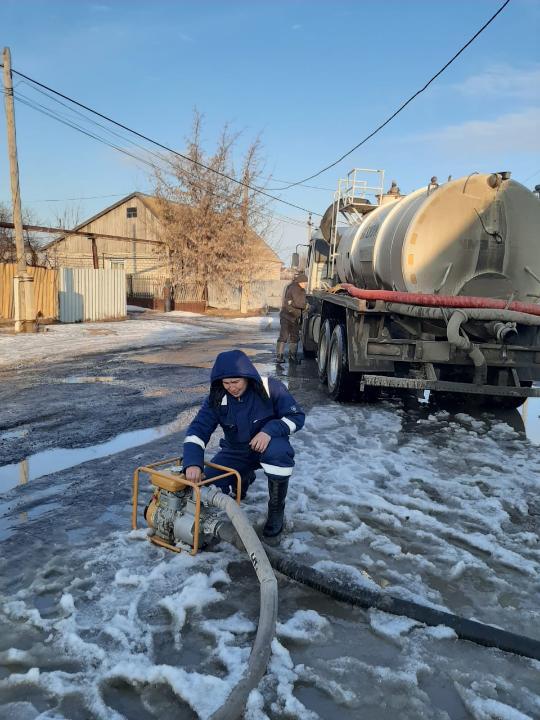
[435, 290]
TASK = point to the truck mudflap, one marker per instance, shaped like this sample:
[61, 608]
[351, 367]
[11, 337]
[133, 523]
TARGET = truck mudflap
[447, 386]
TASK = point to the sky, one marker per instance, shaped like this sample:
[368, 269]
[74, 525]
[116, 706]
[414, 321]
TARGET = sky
[311, 77]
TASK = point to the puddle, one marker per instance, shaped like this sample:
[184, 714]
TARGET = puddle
[97, 331]
[192, 356]
[77, 379]
[14, 434]
[156, 392]
[57, 459]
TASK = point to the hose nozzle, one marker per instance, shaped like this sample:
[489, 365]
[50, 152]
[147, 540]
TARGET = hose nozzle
[502, 330]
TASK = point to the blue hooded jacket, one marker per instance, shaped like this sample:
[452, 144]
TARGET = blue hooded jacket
[266, 405]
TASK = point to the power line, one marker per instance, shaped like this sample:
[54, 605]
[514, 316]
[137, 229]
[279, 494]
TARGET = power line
[311, 187]
[86, 197]
[39, 107]
[402, 107]
[531, 176]
[75, 126]
[161, 145]
[124, 137]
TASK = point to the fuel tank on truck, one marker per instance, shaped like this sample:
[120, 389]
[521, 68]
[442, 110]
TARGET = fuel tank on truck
[478, 235]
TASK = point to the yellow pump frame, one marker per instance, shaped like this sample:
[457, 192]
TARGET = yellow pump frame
[166, 480]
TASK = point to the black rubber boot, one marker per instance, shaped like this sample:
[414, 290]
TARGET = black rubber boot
[277, 492]
[280, 350]
[247, 480]
[293, 354]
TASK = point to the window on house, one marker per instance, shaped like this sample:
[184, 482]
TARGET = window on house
[131, 212]
[117, 264]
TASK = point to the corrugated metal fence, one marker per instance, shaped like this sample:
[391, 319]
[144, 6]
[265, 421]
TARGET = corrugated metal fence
[86, 294]
[45, 291]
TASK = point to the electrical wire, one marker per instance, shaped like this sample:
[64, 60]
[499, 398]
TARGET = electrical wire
[127, 139]
[70, 199]
[124, 137]
[402, 107]
[39, 107]
[161, 145]
[531, 176]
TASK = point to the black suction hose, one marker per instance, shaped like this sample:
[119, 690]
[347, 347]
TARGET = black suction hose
[355, 595]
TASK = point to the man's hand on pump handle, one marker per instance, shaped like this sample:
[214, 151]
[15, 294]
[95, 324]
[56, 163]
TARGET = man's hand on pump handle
[194, 474]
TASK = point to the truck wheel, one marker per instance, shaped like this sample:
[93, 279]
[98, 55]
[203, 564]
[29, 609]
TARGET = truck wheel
[307, 339]
[340, 379]
[324, 345]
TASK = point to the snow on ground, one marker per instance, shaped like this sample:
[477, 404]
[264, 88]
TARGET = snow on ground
[439, 513]
[73, 340]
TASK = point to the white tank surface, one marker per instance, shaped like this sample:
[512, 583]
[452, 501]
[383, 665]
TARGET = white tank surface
[478, 235]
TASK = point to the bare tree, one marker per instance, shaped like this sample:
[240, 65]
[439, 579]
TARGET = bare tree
[32, 245]
[69, 217]
[210, 223]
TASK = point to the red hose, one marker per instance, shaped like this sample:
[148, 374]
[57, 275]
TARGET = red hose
[452, 301]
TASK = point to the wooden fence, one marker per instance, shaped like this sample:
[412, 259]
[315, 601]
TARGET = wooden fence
[45, 291]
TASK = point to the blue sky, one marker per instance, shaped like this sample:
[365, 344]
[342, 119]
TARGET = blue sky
[312, 77]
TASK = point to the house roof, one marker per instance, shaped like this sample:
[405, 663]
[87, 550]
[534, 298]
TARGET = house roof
[152, 204]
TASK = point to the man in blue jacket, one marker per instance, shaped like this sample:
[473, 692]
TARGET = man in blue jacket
[257, 415]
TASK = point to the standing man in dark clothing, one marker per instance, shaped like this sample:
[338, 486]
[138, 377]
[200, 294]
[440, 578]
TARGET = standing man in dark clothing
[290, 317]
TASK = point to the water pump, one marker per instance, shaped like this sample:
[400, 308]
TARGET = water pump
[177, 517]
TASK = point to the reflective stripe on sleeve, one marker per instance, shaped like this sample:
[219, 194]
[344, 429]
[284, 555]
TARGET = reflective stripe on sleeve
[276, 470]
[196, 440]
[289, 424]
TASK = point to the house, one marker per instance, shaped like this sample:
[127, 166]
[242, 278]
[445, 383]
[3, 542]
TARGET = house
[127, 235]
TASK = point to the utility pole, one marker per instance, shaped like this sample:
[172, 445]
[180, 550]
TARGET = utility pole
[23, 285]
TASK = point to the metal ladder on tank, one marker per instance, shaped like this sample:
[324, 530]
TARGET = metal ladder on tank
[349, 199]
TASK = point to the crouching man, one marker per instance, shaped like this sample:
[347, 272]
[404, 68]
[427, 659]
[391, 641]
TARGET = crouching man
[257, 415]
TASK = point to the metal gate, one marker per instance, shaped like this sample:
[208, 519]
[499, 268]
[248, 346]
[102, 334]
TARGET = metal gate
[154, 291]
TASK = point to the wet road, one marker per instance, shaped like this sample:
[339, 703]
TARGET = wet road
[435, 506]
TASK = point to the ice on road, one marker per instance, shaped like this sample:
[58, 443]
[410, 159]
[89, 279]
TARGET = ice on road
[58, 342]
[437, 508]
[430, 506]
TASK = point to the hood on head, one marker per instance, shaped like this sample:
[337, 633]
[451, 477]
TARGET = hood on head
[233, 364]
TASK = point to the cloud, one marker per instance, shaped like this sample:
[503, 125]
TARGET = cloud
[512, 132]
[296, 27]
[503, 81]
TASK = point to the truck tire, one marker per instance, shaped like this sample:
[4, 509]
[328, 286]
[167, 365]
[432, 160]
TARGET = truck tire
[305, 338]
[341, 382]
[309, 346]
[325, 337]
